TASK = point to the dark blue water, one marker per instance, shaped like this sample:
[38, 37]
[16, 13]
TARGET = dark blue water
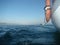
[28, 35]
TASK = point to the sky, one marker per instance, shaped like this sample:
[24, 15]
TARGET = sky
[22, 11]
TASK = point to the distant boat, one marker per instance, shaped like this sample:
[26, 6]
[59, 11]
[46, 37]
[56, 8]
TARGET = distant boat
[42, 24]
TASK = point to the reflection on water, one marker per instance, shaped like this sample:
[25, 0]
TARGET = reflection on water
[29, 35]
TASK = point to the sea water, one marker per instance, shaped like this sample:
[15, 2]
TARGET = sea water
[28, 35]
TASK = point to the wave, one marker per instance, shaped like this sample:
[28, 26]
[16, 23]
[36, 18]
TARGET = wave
[27, 35]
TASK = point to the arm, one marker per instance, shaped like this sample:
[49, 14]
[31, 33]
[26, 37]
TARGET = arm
[47, 10]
